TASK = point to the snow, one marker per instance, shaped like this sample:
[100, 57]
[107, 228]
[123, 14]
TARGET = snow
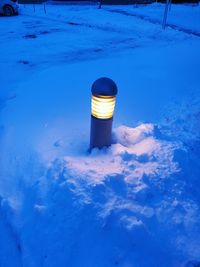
[147, 156]
[134, 204]
[181, 16]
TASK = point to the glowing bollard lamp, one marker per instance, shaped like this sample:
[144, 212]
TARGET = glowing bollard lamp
[104, 91]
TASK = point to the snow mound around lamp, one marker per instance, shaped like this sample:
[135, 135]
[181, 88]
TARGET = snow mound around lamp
[137, 166]
[136, 152]
[115, 202]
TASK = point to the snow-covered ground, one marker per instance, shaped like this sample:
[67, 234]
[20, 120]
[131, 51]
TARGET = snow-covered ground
[134, 204]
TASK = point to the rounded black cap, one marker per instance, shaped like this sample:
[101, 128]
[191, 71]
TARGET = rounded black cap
[104, 86]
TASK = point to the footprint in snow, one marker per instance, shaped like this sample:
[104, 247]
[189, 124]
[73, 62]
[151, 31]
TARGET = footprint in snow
[30, 36]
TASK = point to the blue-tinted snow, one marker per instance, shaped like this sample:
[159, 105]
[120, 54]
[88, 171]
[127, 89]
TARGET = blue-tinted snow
[135, 204]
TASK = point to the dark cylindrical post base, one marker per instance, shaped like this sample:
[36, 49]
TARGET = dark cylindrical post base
[101, 132]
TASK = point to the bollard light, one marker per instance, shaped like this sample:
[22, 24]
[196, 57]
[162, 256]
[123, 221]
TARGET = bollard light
[104, 91]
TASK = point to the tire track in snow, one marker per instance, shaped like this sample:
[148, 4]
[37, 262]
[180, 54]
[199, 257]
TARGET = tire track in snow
[155, 21]
[94, 53]
[74, 23]
[91, 53]
[113, 45]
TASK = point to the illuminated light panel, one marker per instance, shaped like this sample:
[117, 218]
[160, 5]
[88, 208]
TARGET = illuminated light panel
[103, 106]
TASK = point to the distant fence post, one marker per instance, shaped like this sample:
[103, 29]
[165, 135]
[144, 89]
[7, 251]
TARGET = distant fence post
[165, 14]
[45, 11]
[99, 4]
[170, 5]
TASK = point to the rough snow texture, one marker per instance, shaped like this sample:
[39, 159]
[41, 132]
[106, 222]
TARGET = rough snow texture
[115, 207]
[136, 153]
[134, 204]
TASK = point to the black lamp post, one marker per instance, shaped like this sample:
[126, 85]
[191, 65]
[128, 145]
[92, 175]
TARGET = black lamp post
[104, 91]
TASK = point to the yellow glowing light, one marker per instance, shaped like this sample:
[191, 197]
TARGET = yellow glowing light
[103, 106]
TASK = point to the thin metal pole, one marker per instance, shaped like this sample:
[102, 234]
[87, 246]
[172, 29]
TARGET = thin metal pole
[165, 14]
[170, 5]
[45, 11]
[99, 4]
